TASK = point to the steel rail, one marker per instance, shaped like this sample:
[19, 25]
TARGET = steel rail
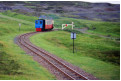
[85, 78]
[24, 36]
[47, 61]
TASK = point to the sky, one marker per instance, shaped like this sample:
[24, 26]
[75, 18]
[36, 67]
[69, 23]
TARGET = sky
[92, 1]
[103, 1]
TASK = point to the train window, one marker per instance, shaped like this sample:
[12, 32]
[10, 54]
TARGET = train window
[40, 22]
[36, 22]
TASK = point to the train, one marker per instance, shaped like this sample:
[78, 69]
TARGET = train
[44, 24]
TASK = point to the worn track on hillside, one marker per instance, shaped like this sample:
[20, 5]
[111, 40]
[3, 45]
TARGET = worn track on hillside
[61, 69]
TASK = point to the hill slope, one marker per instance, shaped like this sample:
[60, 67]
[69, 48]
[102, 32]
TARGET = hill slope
[71, 9]
[15, 64]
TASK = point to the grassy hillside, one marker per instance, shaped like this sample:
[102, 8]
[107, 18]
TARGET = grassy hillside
[97, 27]
[98, 56]
[19, 16]
[14, 62]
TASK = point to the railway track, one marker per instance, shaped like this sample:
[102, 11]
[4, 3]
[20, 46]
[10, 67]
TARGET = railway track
[67, 72]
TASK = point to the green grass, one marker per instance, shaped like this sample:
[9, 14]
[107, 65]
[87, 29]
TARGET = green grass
[19, 16]
[95, 55]
[101, 27]
[15, 64]
[107, 28]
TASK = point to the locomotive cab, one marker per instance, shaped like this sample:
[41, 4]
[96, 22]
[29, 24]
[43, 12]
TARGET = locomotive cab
[39, 24]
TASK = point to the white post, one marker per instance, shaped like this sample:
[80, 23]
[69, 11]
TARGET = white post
[72, 25]
[63, 26]
[53, 21]
[19, 26]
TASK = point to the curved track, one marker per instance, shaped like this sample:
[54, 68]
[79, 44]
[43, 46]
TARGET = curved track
[67, 73]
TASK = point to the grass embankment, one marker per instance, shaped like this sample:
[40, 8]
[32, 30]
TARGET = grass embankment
[111, 29]
[95, 55]
[19, 16]
[14, 62]
[98, 27]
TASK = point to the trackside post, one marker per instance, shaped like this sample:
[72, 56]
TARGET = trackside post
[19, 26]
[73, 36]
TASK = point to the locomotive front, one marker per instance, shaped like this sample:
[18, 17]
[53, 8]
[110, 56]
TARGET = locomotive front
[43, 24]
